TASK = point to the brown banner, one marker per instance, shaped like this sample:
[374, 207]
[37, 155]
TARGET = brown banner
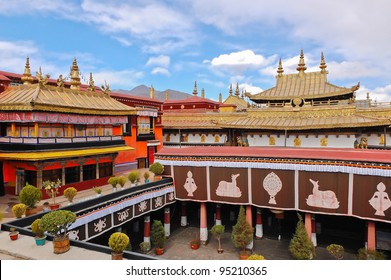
[273, 188]
[78, 233]
[371, 196]
[99, 225]
[190, 182]
[142, 207]
[229, 184]
[123, 215]
[323, 192]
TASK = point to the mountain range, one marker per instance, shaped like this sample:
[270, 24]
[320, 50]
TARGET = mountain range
[143, 91]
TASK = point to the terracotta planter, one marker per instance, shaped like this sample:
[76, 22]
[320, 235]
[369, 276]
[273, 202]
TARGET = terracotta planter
[61, 245]
[159, 251]
[220, 251]
[31, 211]
[243, 255]
[54, 206]
[194, 245]
[117, 256]
[14, 235]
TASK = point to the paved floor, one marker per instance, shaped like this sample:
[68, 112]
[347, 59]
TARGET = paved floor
[177, 247]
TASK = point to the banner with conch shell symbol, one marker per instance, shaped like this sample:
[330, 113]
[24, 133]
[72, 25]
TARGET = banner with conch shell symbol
[272, 184]
[380, 200]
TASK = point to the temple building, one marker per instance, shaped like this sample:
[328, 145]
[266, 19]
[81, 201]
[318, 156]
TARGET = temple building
[54, 129]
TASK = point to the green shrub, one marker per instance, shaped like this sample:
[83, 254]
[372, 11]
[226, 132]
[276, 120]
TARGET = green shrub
[19, 210]
[301, 247]
[118, 242]
[156, 168]
[37, 229]
[30, 195]
[256, 257]
[113, 181]
[145, 246]
[146, 175]
[336, 251]
[122, 181]
[158, 234]
[364, 254]
[70, 193]
[57, 223]
[132, 177]
[242, 232]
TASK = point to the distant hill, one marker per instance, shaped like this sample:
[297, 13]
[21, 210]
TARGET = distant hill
[143, 91]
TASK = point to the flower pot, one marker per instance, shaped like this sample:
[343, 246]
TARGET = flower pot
[220, 251]
[243, 255]
[159, 251]
[146, 181]
[194, 245]
[40, 241]
[61, 245]
[54, 206]
[114, 190]
[31, 211]
[116, 256]
[14, 235]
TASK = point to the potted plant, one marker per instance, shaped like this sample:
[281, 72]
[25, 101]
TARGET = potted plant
[57, 224]
[113, 181]
[97, 190]
[52, 190]
[39, 233]
[145, 246]
[158, 236]
[146, 176]
[118, 242]
[195, 243]
[156, 168]
[19, 210]
[301, 247]
[336, 251]
[242, 234]
[122, 181]
[132, 178]
[14, 234]
[217, 231]
[256, 257]
[365, 254]
[30, 196]
[70, 193]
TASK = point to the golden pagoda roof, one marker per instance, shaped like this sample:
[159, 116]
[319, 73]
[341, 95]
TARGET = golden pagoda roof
[240, 103]
[302, 85]
[39, 97]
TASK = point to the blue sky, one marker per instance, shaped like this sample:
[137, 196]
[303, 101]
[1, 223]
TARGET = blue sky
[171, 44]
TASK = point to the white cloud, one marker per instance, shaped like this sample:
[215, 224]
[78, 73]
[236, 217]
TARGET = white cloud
[250, 88]
[161, 71]
[123, 41]
[122, 79]
[378, 94]
[161, 60]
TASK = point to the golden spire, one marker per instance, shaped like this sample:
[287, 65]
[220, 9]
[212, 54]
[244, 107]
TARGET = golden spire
[220, 98]
[237, 90]
[151, 92]
[230, 90]
[91, 84]
[75, 78]
[195, 92]
[167, 94]
[301, 66]
[280, 70]
[203, 93]
[323, 65]
[27, 78]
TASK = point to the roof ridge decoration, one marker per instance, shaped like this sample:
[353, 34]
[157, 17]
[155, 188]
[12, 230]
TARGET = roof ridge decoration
[75, 78]
[237, 90]
[60, 82]
[42, 80]
[230, 90]
[152, 92]
[27, 78]
[323, 65]
[203, 93]
[301, 66]
[106, 88]
[91, 84]
[195, 92]
[280, 70]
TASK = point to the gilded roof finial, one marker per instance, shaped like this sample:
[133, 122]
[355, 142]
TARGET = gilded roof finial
[220, 98]
[230, 90]
[60, 81]
[368, 95]
[27, 78]
[167, 94]
[75, 78]
[301, 66]
[237, 90]
[203, 93]
[280, 70]
[323, 65]
[91, 84]
[106, 88]
[41, 79]
[195, 92]
[151, 92]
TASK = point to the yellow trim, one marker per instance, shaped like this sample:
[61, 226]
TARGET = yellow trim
[13, 129]
[34, 156]
[36, 130]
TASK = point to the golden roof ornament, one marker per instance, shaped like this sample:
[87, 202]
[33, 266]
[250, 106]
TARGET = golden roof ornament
[323, 65]
[220, 98]
[230, 90]
[301, 66]
[75, 78]
[91, 84]
[237, 93]
[27, 78]
[151, 92]
[106, 88]
[60, 81]
[280, 70]
[195, 92]
[42, 80]
[203, 93]
[167, 94]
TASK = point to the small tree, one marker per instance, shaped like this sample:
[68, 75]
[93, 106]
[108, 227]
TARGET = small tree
[132, 177]
[301, 247]
[70, 193]
[37, 229]
[336, 251]
[19, 210]
[113, 181]
[217, 231]
[118, 242]
[242, 232]
[122, 181]
[364, 254]
[156, 168]
[158, 234]
[30, 195]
